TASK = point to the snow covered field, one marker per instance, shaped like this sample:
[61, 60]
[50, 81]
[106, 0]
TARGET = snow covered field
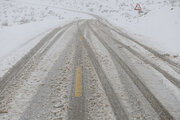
[21, 21]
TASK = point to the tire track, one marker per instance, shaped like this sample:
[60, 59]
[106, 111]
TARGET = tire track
[77, 104]
[158, 107]
[97, 104]
[51, 99]
[19, 66]
[36, 71]
[162, 57]
[114, 101]
[132, 100]
[171, 78]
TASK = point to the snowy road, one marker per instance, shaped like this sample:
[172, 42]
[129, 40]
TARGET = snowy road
[89, 70]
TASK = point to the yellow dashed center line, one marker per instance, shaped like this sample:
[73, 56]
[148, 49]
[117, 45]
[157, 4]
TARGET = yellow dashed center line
[81, 37]
[78, 84]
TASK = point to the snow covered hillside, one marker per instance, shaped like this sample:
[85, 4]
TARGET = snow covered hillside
[158, 25]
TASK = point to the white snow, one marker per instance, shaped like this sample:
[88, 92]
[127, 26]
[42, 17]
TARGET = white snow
[14, 37]
[23, 25]
[161, 28]
[18, 40]
[29, 86]
[158, 25]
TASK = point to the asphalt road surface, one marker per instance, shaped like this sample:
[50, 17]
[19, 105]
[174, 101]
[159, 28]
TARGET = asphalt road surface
[88, 70]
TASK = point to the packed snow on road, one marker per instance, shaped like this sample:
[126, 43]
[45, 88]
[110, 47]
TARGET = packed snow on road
[122, 57]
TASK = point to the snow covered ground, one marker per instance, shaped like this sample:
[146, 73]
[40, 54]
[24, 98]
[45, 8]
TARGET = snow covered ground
[22, 20]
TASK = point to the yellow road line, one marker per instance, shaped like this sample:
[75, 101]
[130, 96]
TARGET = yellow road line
[81, 37]
[78, 84]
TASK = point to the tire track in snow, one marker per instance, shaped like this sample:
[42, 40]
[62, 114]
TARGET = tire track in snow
[171, 78]
[19, 66]
[162, 57]
[158, 107]
[114, 101]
